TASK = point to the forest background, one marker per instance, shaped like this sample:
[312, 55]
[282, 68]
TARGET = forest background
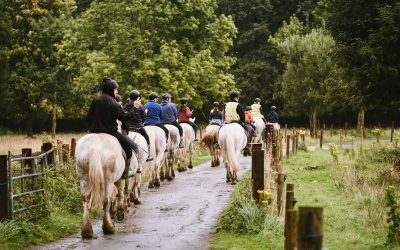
[326, 61]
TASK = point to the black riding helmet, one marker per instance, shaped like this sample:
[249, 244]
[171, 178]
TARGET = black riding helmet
[184, 100]
[153, 95]
[257, 100]
[233, 95]
[216, 104]
[166, 96]
[108, 85]
[248, 108]
[134, 95]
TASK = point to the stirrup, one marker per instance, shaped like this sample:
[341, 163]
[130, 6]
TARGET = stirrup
[129, 175]
[216, 145]
[181, 145]
[149, 158]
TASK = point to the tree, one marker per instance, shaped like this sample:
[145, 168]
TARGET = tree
[367, 37]
[310, 73]
[161, 46]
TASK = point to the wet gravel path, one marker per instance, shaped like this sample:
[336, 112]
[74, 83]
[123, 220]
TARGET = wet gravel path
[181, 214]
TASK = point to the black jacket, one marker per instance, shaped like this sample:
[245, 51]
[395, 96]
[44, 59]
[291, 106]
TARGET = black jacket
[138, 116]
[103, 114]
[272, 117]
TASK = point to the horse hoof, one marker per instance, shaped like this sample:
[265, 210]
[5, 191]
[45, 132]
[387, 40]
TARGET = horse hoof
[87, 232]
[180, 169]
[227, 180]
[108, 229]
[136, 201]
[157, 183]
[184, 169]
[120, 216]
[190, 166]
[151, 185]
[233, 183]
[173, 173]
[170, 178]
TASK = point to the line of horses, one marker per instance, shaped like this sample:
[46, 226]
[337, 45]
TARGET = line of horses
[100, 164]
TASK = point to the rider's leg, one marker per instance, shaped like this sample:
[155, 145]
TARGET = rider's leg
[165, 130]
[176, 124]
[128, 145]
[143, 132]
[194, 126]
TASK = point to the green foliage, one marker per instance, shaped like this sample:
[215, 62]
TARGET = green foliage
[393, 215]
[334, 152]
[303, 147]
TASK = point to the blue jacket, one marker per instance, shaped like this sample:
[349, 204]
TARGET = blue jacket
[154, 113]
[169, 112]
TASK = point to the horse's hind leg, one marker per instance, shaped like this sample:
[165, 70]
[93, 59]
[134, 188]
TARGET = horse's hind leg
[190, 157]
[108, 226]
[157, 182]
[228, 174]
[86, 230]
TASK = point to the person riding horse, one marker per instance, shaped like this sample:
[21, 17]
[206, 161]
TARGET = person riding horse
[135, 124]
[272, 116]
[184, 115]
[102, 116]
[154, 114]
[216, 115]
[256, 109]
[170, 115]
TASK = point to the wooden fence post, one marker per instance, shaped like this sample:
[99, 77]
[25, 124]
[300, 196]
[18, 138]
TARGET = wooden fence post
[3, 187]
[50, 157]
[345, 130]
[293, 143]
[321, 138]
[65, 152]
[331, 130]
[297, 141]
[73, 146]
[310, 228]
[392, 132]
[279, 191]
[290, 219]
[29, 163]
[280, 147]
[287, 146]
[257, 170]
[285, 132]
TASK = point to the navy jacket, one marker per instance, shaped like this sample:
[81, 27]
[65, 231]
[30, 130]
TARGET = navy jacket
[272, 117]
[153, 114]
[169, 112]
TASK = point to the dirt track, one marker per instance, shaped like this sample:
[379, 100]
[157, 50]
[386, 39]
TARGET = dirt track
[179, 215]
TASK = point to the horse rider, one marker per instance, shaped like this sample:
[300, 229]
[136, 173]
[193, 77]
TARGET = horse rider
[102, 116]
[154, 113]
[170, 115]
[215, 115]
[233, 112]
[256, 109]
[272, 116]
[184, 115]
[134, 106]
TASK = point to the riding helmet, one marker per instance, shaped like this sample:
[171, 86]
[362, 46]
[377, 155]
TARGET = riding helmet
[108, 85]
[216, 104]
[257, 100]
[234, 94]
[166, 96]
[273, 108]
[134, 95]
[184, 100]
[153, 95]
[248, 108]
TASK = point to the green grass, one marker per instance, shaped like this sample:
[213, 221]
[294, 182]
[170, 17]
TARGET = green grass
[352, 194]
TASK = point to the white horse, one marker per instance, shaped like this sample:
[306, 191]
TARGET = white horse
[99, 165]
[232, 139]
[210, 138]
[259, 131]
[135, 181]
[158, 145]
[173, 145]
[188, 139]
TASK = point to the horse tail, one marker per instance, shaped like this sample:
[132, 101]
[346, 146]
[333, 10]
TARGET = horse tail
[210, 137]
[96, 189]
[230, 153]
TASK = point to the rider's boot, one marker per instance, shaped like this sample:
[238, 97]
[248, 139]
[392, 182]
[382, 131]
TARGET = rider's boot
[216, 146]
[181, 142]
[149, 158]
[127, 173]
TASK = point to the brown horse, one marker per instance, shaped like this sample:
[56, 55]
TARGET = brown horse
[209, 140]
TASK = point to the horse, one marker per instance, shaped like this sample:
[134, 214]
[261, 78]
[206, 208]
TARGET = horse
[188, 139]
[260, 127]
[158, 145]
[232, 139]
[210, 138]
[173, 145]
[135, 181]
[99, 167]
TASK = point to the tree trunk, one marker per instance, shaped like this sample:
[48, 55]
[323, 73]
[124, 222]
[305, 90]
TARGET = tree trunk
[54, 118]
[29, 126]
[360, 122]
[313, 123]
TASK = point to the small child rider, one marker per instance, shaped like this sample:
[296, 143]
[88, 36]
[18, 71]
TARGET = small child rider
[184, 115]
[257, 109]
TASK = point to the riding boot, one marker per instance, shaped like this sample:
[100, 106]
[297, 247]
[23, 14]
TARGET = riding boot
[149, 158]
[127, 173]
[216, 146]
[181, 143]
